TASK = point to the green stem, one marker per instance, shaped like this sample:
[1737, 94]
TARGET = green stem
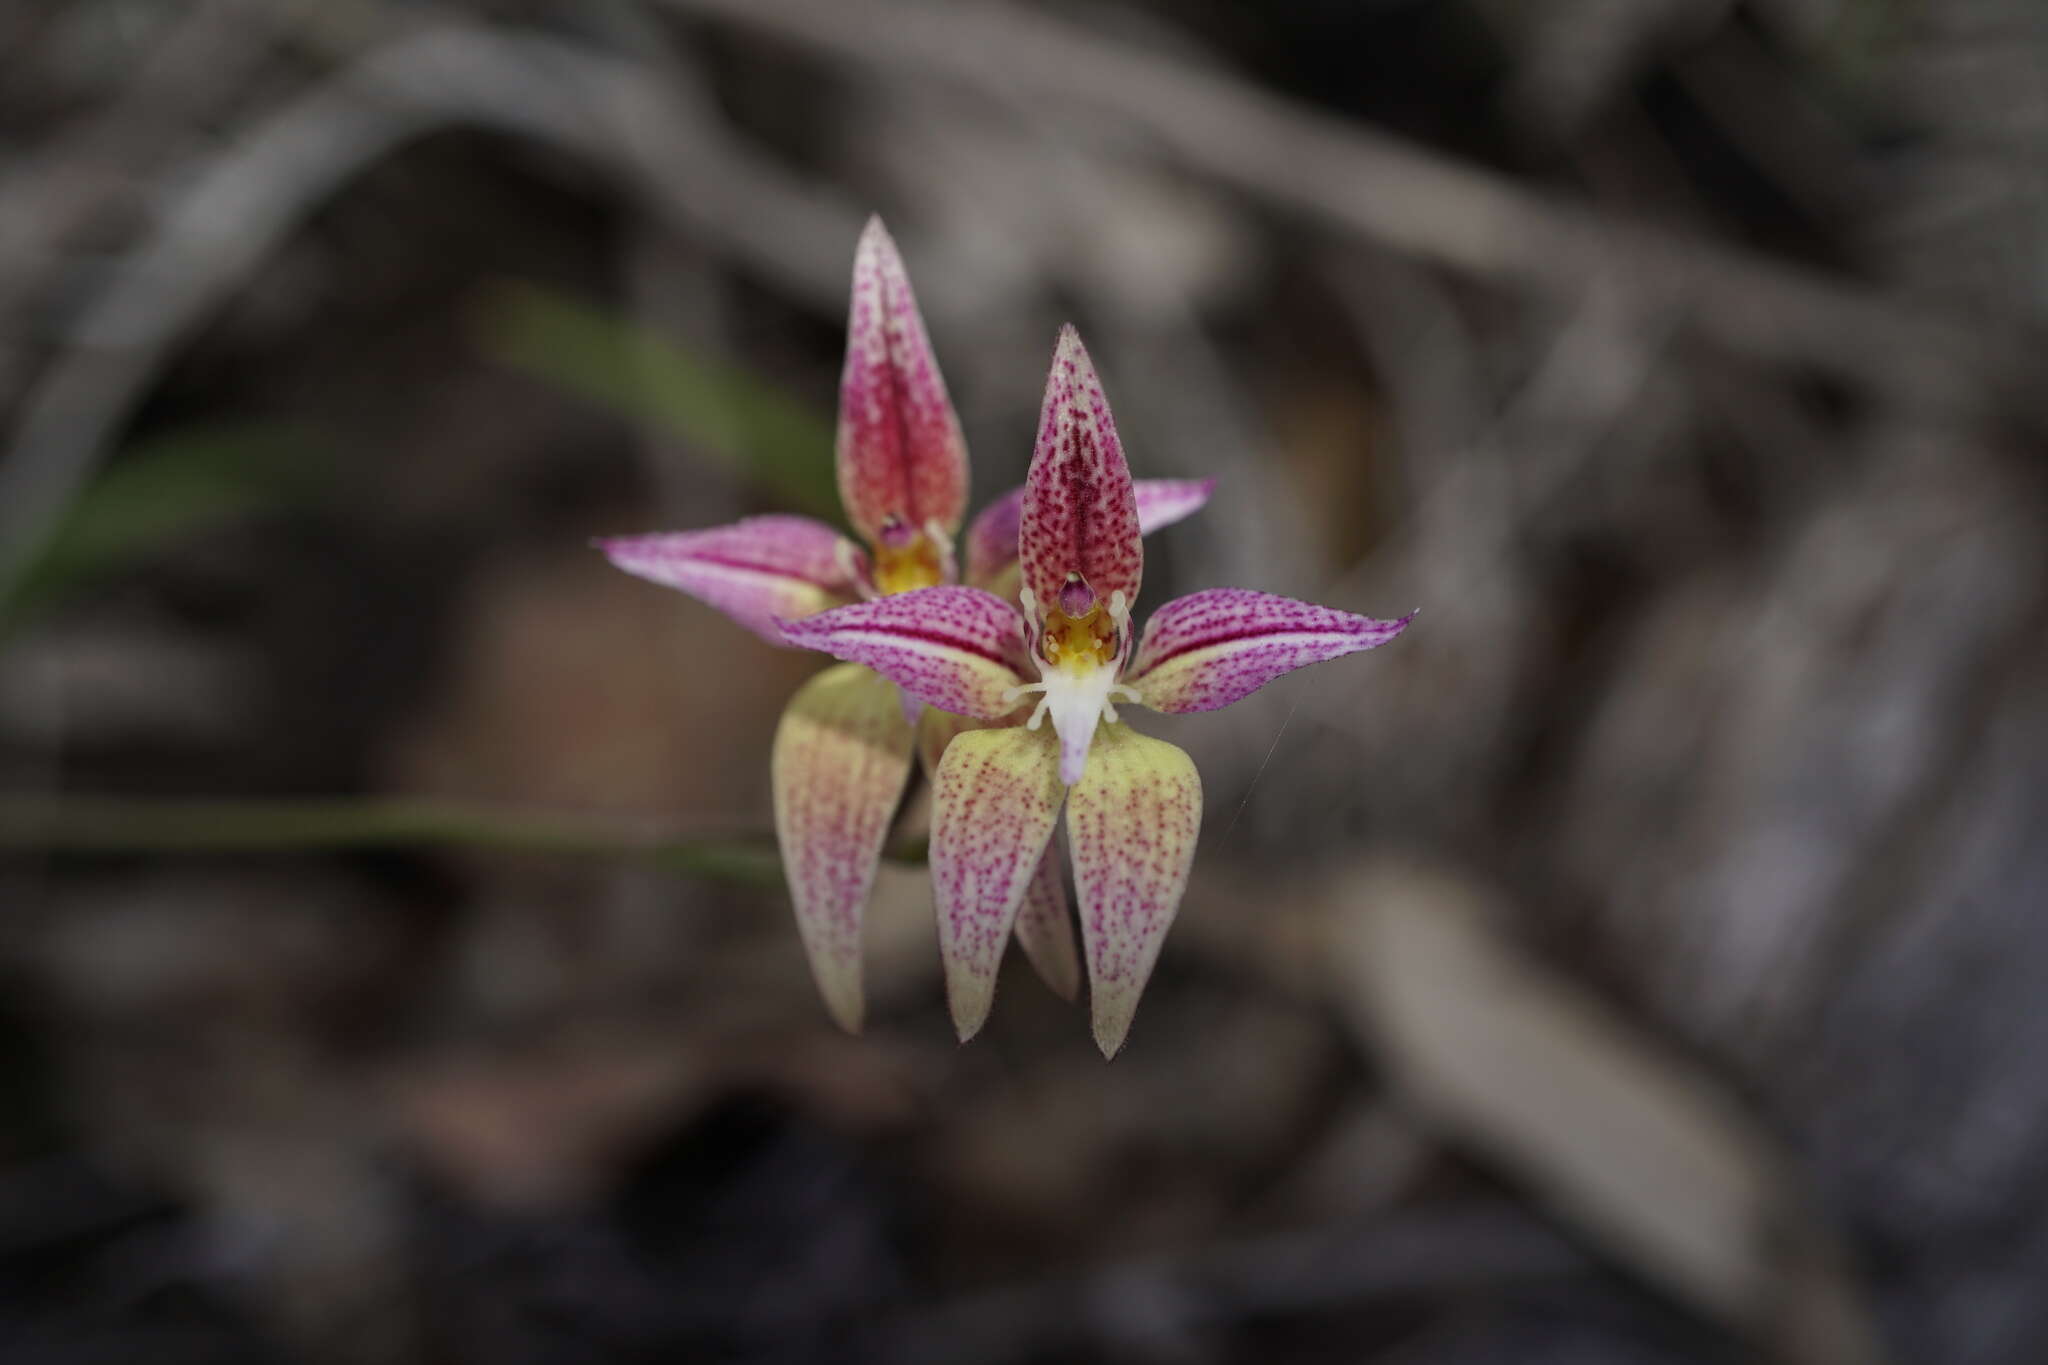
[83, 824]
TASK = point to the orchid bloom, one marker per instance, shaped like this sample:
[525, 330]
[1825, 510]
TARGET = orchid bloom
[842, 753]
[1133, 804]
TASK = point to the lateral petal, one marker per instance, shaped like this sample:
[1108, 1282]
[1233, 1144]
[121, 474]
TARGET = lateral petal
[902, 459]
[1209, 649]
[992, 537]
[1080, 514]
[1162, 502]
[756, 571]
[954, 648]
[995, 801]
[840, 759]
[1132, 822]
[1044, 927]
[1046, 930]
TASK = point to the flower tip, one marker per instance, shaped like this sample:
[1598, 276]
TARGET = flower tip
[635, 554]
[1066, 986]
[874, 234]
[839, 987]
[969, 998]
[1070, 355]
[849, 1014]
[1111, 1029]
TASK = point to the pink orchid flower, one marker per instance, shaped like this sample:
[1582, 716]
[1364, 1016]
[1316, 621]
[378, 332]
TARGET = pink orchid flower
[1133, 804]
[842, 752]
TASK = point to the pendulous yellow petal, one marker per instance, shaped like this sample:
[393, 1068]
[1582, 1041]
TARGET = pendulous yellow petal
[842, 754]
[1132, 821]
[1045, 927]
[995, 802]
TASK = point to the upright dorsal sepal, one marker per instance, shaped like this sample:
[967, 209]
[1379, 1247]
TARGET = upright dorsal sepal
[902, 459]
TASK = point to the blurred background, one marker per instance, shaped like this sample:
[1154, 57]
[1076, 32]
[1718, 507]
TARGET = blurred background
[1640, 961]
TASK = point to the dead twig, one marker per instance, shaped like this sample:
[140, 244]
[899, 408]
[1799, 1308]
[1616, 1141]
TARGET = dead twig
[112, 825]
[1165, 1300]
[1381, 187]
[603, 110]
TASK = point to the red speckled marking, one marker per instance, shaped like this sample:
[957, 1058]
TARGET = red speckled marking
[754, 570]
[1080, 513]
[900, 451]
[992, 538]
[1132, 821]
[995, 801]
[1209, 649]
[842, 754]
[1044, 928]
[955, 648]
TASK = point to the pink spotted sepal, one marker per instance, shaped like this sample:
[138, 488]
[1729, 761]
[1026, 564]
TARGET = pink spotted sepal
[758, 571]
[902, 460]
[959, 649]
[1079, 516]
[1209, 649]
[1132, 821]
[841, 757]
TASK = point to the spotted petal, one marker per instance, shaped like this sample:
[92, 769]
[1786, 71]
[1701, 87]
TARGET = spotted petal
[1044, 928]
[1162, 502]
[1209, 649]
[902, 459]
[1080, 514]
[756, 571]
[992, 538]
[1131, 826]
[954, 648]
[995, 802]
[842, 754]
